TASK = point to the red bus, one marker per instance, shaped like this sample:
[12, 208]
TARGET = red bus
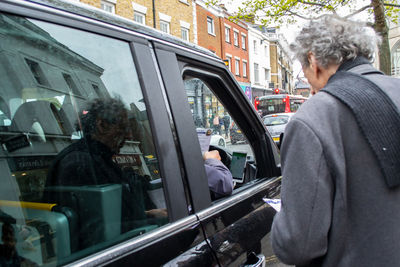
[282, 103]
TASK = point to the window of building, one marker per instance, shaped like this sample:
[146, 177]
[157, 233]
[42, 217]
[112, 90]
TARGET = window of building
[255, 46]
[256, 73]
[227, 34]
[266, 74]
[266, 51]
[164, 26]
[235, 38]
[244, 40]
[185, 30]
[244, 68]
[185, 34]
[237, 66]
[37, 72]
[210, 26]
[139, 13]
[75, 144]
[139, 17]
[71, 84]
[108, 6]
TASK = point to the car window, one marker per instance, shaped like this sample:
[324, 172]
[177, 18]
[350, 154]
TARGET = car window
[210, 113]
[276, 120]
[79, 170]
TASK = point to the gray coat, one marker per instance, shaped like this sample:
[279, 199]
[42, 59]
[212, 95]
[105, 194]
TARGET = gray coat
[336, 207]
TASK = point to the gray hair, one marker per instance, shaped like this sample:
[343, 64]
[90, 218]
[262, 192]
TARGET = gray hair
[333, 40]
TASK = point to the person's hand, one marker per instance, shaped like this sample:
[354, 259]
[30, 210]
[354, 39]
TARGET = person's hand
[157, 213]
[213, 154]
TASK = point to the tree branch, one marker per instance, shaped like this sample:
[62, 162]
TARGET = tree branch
[297, 15]
[393, 5]
[358, 11]
[311, 3]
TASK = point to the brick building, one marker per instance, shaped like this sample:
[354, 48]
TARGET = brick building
[209, 27]
[235, 50]
[171, 16]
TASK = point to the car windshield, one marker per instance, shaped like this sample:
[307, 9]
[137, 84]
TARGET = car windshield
[276, 120]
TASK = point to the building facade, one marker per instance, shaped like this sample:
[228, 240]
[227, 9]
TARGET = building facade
[260, 67]
[235, 51]
[209, 29]
[281, 62]
[175, 17]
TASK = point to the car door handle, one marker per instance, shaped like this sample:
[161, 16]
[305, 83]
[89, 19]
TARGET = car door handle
[254, 260]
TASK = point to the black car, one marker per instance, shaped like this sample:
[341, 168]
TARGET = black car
[137, 193]
[236, 135]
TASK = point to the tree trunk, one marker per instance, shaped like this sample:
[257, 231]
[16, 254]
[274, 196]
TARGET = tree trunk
[382, 29]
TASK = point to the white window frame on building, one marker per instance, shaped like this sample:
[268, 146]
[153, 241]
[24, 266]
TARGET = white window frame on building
[235, 37]
[139, 13]
[266, 74]
[227, 33]
[165, 22]
[255, 47]
[244, 40]
[244, 71]
[210, 26]
[108, 5]
[229, 58]
[256, 73]
[266, 50]
[237, 66]
[185, 30]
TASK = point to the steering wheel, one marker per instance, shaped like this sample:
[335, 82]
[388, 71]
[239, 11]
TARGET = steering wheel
[226, 155]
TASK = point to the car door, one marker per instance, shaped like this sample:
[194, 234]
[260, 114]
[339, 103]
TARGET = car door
[236, 226]
[54, 66]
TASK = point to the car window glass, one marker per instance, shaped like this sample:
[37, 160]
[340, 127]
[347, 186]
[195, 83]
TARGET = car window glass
[209, 112]
[276, 120]
[79, 170]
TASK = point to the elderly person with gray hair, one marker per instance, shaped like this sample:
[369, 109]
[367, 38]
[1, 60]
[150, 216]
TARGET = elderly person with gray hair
[341, 155]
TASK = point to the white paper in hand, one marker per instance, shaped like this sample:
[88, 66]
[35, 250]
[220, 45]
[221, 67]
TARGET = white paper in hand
[275, 203]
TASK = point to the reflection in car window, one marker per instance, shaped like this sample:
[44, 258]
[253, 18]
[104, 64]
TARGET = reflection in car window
[78, 165]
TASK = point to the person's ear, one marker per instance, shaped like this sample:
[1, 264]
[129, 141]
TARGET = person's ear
[314, 67]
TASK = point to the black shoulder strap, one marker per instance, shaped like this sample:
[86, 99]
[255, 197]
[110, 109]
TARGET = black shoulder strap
[376, 115]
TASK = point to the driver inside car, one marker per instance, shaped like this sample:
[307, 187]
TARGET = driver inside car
[220, 180]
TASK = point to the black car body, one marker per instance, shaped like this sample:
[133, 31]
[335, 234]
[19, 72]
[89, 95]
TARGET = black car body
[57, 55]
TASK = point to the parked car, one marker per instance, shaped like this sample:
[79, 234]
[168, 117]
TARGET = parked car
[217, 140]
[236, 135]
[276, 124]
[57, 57]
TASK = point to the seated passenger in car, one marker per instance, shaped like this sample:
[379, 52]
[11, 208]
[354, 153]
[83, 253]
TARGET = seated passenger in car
[220, 180]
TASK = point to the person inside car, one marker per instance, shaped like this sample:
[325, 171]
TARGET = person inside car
[89, 161]
[220, 180]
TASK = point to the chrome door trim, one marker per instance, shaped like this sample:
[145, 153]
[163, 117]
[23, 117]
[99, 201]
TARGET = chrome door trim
[125, 248]
[232, 200]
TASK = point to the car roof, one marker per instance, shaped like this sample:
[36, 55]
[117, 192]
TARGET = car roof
[101, 15]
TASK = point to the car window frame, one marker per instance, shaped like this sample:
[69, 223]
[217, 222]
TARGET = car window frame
[239, 108]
